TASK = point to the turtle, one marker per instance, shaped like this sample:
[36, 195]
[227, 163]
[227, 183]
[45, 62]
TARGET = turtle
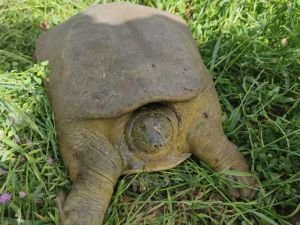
[130, 93]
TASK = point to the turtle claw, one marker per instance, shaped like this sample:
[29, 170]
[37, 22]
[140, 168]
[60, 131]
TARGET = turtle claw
[243, 183]
[247, 191]
[80, 210]
[60, 201]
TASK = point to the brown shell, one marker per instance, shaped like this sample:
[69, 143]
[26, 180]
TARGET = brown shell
[114, 58]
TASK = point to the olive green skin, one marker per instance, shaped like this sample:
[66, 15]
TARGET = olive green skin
[97, 148]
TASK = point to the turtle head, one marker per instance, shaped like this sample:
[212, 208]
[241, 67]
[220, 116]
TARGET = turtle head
[152, 130]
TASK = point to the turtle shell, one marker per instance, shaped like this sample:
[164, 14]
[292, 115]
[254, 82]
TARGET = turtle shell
[114, 58]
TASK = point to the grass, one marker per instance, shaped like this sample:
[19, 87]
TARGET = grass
[252, 49]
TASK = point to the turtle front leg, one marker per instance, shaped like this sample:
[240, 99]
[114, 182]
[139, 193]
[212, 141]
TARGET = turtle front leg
[221, 154]
[99, 166]
[209, 144]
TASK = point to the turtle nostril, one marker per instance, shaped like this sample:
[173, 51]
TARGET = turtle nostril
[155, 146]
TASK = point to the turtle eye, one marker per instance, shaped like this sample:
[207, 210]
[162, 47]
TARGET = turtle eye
[152, 131]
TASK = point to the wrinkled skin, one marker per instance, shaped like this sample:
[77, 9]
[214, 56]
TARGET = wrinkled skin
[161, 116]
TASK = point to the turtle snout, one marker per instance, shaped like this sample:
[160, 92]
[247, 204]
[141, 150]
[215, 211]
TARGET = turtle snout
[153, 134]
